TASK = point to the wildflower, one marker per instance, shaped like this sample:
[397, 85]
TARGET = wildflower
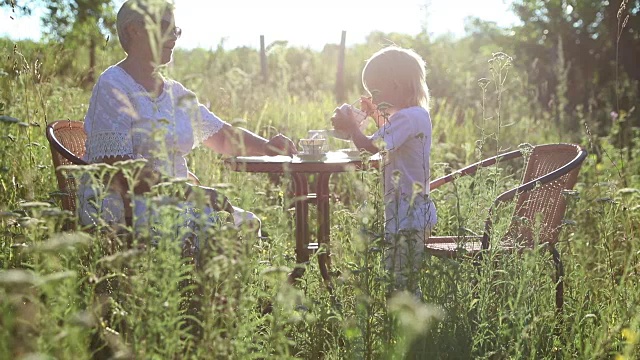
[614, 116]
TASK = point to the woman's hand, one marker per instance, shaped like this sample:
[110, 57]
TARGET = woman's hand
[216, 200]
[280, 145]
[236, 141]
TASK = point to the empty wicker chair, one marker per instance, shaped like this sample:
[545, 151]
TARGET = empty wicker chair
[550, 170]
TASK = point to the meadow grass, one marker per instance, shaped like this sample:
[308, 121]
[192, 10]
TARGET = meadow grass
[61, 293]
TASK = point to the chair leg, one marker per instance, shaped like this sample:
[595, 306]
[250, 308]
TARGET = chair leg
[557, 262]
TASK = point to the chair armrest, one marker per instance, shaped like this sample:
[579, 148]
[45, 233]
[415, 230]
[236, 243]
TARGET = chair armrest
[542, 180]
[471, 169]
[193, 178]
[452, 239]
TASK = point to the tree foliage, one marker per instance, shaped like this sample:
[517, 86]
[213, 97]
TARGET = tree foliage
[16, 5]
[575, 51]
[80, 24]
[84, 19]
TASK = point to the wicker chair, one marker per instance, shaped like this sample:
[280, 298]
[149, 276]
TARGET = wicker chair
[540, 205]
[67, 143]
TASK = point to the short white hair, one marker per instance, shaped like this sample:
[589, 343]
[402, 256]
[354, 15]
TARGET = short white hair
[139, 10]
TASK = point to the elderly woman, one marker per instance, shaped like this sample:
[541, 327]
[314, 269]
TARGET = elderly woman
[136, 113]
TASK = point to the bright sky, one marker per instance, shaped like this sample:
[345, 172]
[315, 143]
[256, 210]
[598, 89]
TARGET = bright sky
[302, 23]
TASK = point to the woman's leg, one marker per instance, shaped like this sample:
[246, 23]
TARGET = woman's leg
[246, 218]
[218, 202]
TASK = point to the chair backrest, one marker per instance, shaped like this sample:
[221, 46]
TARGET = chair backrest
[551, 169]
[66, 141]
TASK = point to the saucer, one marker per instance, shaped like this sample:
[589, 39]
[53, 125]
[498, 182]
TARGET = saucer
[310, 157]
[350, 152]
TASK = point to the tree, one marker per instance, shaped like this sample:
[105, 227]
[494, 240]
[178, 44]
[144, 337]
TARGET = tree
[81, 23]
[583, 43]
[78, 23]
[21, 7]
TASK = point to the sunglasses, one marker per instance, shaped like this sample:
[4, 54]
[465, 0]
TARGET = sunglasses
[168, 28]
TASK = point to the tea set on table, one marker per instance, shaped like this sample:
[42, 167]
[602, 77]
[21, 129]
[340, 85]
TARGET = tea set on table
[314, 148]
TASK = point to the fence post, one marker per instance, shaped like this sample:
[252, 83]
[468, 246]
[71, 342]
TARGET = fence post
[263, 60]
[340, 93]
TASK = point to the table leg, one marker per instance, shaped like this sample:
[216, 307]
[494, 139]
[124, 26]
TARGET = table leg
[301, 191]
[324, 224]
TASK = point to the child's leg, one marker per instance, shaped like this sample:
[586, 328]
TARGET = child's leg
[403, 259]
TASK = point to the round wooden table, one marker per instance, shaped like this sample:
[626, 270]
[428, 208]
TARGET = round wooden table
[299, 169]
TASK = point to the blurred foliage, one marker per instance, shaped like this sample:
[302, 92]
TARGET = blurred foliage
[58, 292]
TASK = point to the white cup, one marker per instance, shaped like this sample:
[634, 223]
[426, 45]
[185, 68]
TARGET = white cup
[312, 146]
[316, 134]
[359, 115]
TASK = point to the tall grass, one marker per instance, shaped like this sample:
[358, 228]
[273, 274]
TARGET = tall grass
[76, 294]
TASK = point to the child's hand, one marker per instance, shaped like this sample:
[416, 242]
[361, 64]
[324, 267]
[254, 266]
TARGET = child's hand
[367, 105]
[344, 121]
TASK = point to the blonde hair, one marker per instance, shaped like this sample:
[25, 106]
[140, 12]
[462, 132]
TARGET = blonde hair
[396, 76]
[139, 10]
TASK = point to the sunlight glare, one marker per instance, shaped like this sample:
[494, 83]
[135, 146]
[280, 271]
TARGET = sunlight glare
[305, 24]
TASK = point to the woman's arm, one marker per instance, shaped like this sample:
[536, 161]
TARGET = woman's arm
[143, 183]
[232, 140]
[147, 178]
[236, 141]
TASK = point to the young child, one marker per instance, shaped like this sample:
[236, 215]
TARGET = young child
[399, 100]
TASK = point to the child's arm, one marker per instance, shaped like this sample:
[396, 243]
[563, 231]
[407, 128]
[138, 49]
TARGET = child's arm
[362, 141]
